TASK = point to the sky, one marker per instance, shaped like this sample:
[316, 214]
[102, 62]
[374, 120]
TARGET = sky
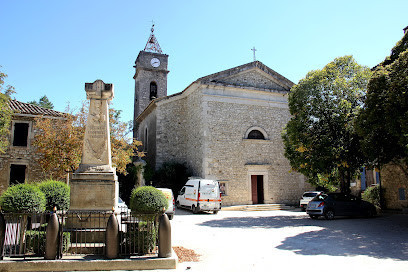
[53, 47]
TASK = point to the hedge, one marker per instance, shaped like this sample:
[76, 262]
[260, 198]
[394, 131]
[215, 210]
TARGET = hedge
[23, 198]
[57, 194]
[147, 199]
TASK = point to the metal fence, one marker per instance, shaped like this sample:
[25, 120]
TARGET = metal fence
[80, 232]
[25, 234]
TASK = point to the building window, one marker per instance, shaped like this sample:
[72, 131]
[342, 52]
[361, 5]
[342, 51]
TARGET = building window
[153, 90]
[401, 193]
[20, 134]
[256, 134]
[145, 140]
[17, 173]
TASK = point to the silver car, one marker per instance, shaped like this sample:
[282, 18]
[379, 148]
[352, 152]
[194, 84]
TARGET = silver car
[307, 196]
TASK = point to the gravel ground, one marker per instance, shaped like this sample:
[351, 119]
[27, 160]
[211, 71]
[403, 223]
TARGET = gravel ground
[289, 240]
[262, 241]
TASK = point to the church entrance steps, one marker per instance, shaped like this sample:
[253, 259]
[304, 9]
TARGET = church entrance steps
[258, 207]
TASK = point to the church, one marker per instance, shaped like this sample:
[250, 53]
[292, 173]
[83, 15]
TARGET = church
[225, 126]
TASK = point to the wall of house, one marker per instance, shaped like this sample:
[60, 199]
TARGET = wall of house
[20, 156]
[395, 184]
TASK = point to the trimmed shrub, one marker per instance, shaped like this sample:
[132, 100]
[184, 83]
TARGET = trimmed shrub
[23, 198]
[372, 195]
[147, 199]
[56, 194]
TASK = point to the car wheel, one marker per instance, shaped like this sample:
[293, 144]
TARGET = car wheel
[302, 208]
[178, 205]
[215, 212]
[313, 216]
[170, 216]
[329, 215]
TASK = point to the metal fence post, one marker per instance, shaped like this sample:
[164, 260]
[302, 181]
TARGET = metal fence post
[2, 234]
[164, 236]
[112, 237]
[51, 238]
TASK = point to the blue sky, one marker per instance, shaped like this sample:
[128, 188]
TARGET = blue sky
[53, 47]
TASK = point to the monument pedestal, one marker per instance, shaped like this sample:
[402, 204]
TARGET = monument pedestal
[94, 191]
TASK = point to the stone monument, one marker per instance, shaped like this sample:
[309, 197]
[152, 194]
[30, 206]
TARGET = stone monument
[94, 185]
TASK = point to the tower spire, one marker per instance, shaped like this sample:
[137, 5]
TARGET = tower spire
[152, 44]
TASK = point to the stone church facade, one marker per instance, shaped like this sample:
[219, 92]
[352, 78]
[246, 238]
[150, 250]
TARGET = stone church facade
[225, 126]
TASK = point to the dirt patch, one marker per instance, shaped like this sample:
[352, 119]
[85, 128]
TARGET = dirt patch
[186, 255]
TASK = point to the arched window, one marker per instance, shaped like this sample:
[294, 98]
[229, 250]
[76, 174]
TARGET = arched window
[153, 90]
[145, 144]
[256, 134]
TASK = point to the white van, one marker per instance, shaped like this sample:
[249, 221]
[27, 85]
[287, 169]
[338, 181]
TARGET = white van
[200, 195]
[171, 210]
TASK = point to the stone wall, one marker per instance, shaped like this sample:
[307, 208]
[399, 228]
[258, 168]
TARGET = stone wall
[21, 156]
[394, 181]
[149, 144]
[171, 132]
[232, 159]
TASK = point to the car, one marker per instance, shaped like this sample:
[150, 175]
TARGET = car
[339, 204]
[171, 210]
[306, 197]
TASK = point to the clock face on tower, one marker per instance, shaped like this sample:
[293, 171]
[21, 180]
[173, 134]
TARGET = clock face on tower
[155, 62]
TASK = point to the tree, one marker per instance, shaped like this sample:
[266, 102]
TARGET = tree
[383, 121]
[60, 142]
[320, 139]
[43, 102]
[5, 113]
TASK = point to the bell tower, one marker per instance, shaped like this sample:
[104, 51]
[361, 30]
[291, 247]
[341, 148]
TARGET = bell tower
[150, 76]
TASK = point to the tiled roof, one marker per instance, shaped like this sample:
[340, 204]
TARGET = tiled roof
[26, 108]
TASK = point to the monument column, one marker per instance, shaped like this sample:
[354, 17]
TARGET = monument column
[94, 185]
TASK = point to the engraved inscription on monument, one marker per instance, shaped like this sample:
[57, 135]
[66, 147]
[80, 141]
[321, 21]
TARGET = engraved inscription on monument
[96, 155]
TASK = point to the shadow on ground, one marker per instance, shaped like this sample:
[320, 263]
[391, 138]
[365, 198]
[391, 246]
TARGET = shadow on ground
[380, 237]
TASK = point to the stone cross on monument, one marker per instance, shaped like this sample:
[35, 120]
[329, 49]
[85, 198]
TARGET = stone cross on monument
[94, 185]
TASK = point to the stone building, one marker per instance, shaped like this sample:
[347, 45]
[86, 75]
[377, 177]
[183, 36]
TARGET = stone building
[19, 164]
[224, 126]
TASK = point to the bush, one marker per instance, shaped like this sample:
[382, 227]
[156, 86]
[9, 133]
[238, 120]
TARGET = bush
[56, 194]
[24, 198]
[372, 195]
[147, 199]
[36, 241]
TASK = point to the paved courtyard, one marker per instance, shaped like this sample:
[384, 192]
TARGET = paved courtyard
[289, 240]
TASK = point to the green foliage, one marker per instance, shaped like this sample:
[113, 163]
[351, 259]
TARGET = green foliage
[5, 113]
[147, 199]
[43, 102]
[128, 182]
[142, 241]
[171, 175]
[383, 121]
[372, 195]
[36, 241]
[24, 198]
[57, 194]
[320, 139]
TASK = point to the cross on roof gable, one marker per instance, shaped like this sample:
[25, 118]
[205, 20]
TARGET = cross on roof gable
[253, 75]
